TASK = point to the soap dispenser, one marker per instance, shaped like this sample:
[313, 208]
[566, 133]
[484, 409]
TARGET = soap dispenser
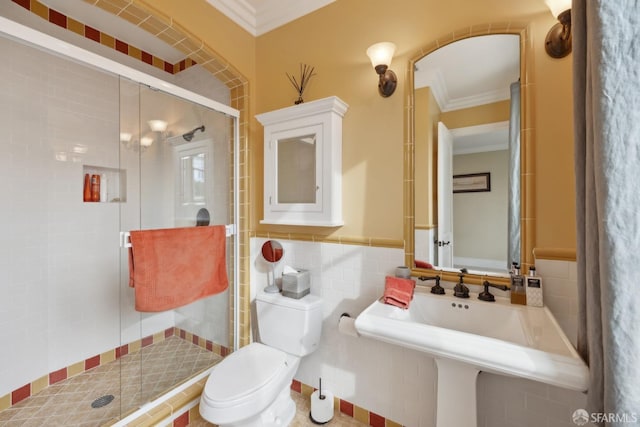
[518, 291]
[534, 288]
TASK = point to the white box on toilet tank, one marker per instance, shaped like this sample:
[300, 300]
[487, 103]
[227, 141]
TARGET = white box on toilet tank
[291, 325]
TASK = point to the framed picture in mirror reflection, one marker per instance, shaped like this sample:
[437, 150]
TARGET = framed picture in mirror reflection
[472, 182]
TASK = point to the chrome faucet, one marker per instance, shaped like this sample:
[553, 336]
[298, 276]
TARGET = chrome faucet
[461, 290]
[436, 289]
[488, 296]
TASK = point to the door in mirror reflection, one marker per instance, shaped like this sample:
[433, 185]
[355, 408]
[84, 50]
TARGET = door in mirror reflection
[296, 171]
[445, 198]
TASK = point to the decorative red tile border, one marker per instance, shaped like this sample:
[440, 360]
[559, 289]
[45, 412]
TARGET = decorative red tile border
[372, 419]
[105, 39]
[27, 390]
[348, 408]
[57, 376]
[20, 394]
[183, 420]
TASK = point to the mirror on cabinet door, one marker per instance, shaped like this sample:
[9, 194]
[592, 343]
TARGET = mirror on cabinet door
[296, 169]
[467, 154]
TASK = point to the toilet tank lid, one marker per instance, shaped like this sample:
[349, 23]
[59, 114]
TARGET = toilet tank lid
[308, 302]
[243, 372]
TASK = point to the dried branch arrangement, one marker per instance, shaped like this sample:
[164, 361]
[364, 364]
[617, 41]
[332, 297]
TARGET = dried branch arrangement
[306, 72]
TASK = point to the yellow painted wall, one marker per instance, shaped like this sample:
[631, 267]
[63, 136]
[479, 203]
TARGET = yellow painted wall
[474, 116]
[427, 113]
[333, 40]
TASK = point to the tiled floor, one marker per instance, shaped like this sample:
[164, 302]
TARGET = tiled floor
[302, 416]
[144, 374]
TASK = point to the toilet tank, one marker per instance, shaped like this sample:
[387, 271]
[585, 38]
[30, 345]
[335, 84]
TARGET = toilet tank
[290, 325]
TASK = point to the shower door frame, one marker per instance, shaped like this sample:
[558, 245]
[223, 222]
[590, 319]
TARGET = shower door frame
[31, 37]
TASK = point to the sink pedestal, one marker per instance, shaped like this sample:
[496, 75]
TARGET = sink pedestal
[456, 394]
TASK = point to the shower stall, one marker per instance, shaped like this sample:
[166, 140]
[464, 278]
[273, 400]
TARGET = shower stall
[163, 157]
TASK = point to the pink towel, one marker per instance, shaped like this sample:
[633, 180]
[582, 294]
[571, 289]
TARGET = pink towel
[398, 291]
[173, 267]
[422, 264]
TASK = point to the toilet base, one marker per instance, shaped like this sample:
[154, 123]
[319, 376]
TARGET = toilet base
[279, 414]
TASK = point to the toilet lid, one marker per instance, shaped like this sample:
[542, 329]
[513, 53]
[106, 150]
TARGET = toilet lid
[244, 372]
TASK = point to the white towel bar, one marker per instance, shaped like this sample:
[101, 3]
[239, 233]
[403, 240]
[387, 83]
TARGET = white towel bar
[125, 236]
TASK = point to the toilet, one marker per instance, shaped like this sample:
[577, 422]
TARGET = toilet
[251, 386]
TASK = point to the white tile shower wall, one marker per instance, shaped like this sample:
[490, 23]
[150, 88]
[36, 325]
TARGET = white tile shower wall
[59, 296]
[60, 300]
[397, 383]
[198, 80]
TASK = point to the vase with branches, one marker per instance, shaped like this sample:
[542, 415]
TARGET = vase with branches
[306, 72]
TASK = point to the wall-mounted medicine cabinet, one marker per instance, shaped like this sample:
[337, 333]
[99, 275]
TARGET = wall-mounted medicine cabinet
[303, 163]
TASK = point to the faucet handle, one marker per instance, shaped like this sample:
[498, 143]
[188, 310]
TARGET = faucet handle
[436, 289]
[460, 290]
[488, 296]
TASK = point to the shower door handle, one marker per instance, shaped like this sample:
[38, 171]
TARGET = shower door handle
[125, 239]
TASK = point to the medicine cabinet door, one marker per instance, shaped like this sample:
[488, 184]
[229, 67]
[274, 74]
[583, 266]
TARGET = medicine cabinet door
[296, 180]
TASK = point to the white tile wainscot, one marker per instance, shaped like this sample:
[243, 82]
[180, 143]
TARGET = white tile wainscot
[397, 383]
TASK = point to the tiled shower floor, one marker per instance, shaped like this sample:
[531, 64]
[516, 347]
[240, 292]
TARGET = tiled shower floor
[68, 403]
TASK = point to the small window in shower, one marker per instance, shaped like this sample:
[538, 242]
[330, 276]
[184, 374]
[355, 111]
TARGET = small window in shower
[194, 184]
[193, 179]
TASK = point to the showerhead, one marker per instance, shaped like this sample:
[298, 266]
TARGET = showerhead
[189, 135]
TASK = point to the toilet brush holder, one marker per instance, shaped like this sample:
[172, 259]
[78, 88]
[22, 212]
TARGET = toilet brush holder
[321, 406]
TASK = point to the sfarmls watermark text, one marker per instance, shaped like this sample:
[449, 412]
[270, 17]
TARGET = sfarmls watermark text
[581, 417]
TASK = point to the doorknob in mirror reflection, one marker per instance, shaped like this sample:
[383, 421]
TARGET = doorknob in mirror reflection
[558, 40]
[381, 55]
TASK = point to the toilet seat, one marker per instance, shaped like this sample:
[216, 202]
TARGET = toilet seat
[246, 377]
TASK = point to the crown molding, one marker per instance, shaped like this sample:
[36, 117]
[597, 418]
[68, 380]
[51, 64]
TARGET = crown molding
[270, 14]
[239, 11]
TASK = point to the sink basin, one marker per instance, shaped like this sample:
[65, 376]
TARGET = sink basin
[468, 335]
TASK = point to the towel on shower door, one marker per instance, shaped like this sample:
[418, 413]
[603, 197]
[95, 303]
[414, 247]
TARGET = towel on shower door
[173, 267]
[398, 291]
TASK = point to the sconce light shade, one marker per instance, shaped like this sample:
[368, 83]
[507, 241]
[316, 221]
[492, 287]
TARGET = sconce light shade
[157, 125]
[381, 55]
[125, 137]
[558, 41]
[146, 141]
[558, 6]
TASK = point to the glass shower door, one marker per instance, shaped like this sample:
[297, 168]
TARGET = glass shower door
[178, 177]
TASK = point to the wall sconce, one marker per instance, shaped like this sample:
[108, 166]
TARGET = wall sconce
[157, 125]
[130, 143]
[146, 141]
[558, 41]
[381, 55]
[125, 137]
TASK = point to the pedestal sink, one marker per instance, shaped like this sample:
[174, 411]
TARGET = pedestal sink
[467, 336]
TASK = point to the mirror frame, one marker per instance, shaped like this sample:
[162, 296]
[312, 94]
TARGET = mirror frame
[527, 159]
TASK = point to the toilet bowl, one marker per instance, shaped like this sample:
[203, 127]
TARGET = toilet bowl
[251, 386]
[240, 390]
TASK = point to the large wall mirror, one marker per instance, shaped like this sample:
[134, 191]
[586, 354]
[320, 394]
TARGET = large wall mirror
[465, 157]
